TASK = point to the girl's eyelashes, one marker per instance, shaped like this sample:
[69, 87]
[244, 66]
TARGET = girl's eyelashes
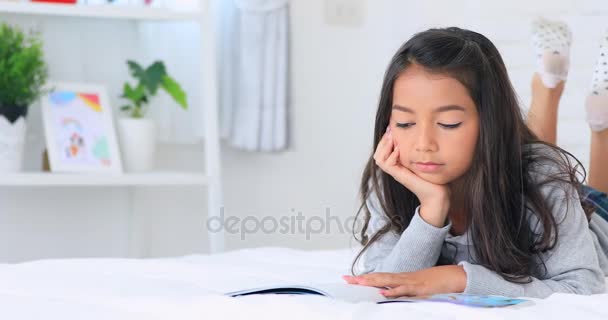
[445, 125]
[404, 125]
[450, 126]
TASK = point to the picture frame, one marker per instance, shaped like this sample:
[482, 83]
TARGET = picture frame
[79, 129]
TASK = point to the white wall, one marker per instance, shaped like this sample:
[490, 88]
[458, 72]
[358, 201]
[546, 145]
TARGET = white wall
[337, 73]
[336, 77]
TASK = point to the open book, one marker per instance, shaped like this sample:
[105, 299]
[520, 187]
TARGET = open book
[358, 293]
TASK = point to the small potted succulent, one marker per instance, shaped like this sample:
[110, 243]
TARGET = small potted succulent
[23, 74]
[138, 134]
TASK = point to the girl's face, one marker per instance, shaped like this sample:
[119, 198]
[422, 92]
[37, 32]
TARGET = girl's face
[435, 124]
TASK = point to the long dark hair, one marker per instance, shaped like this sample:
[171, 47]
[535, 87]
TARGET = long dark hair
[500, 187]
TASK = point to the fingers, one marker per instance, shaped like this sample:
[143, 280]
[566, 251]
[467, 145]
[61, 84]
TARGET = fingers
[349, 279]
[382, 149]
[392, 284]
[385, 154]
[387, 157]
[406, 177]
[384, 139]
[380, 279]
[400, 291]
[392, 158]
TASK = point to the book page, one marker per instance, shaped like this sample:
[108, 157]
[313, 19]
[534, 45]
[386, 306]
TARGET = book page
[340, 291]
[350, 292]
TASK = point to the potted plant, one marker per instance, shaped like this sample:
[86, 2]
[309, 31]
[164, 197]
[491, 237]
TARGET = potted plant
[23, 73]
[138, 134]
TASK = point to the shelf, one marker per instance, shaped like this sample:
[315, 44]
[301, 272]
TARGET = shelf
[97, 11]
[33, 179]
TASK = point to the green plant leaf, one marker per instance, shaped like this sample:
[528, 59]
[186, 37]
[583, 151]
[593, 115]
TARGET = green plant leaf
[136, 70]
[23, 71]
[137, 95]
[175, 91]
[154, 76]
[149, 80]
[127, 91]
[150, 77]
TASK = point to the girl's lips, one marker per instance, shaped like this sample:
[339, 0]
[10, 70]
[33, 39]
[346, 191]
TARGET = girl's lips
[428, 166]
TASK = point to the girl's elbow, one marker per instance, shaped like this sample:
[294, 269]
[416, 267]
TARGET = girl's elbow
[590, 287]
[598, 284]
[597, 288]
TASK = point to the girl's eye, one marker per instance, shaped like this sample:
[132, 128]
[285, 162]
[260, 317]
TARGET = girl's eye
[450, 126]
[404, 125]
[445, 125]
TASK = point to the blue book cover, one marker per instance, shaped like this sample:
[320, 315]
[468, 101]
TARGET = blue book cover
[472, 300]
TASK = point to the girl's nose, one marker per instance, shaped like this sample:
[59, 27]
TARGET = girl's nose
[425, 141]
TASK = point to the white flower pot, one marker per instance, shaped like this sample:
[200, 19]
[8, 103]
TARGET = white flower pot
[12, 142]
[138, 143]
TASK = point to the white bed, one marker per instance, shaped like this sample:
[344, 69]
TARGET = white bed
[191, 287]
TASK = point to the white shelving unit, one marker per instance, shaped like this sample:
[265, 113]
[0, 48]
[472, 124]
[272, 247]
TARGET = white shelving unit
[210, 180]
[31, 179]
[97, 11]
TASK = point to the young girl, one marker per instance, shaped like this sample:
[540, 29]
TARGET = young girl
[461, 195]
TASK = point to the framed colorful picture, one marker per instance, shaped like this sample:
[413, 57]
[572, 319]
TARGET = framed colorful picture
[79, 128]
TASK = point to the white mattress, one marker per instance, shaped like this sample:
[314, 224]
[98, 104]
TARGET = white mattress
[191, 287]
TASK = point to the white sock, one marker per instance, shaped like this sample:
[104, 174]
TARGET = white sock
[551, 41]
[597, 100]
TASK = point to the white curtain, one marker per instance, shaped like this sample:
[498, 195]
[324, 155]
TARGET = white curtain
[254, 73]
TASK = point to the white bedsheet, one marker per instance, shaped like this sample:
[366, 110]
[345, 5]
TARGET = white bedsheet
[191, 287]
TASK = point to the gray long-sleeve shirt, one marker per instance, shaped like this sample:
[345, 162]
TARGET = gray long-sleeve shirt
[577, 264]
